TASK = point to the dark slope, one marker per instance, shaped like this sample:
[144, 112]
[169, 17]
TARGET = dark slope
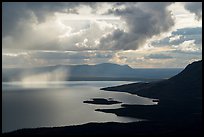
[185, 85]
[180, 97]
[111, 128]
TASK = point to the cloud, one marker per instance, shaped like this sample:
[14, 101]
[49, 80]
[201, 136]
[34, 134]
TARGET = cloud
[117, 58]
[31, 58]
[15, 12]
[189, 34]
[49, 55]
[194, 7]
[181, 35]
[12, 13]
[137, 60]
[174, 38]
[143, 20]
[188, 31]
[81, 41]
[54, 34]
[49, 33]
[159, 56]
[30, 35]
[187, 46]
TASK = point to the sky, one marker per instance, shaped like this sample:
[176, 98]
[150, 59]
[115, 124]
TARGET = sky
[141, 35]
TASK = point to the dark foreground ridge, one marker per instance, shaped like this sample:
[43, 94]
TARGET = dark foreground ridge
[179, 111]
[102, 101]
[112, 128]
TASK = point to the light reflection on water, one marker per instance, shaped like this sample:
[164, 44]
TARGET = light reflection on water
[60, 104]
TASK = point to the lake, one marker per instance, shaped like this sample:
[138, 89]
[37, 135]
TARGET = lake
[51, 104]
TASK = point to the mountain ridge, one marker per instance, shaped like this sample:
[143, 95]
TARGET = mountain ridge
[103, 71]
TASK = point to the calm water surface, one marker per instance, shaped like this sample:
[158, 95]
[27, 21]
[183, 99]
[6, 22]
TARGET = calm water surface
[60, 104]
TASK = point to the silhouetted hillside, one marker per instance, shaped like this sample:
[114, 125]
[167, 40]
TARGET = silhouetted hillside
[187, 84]
[180, 97]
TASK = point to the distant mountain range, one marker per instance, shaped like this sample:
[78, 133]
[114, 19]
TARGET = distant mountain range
[104, 71]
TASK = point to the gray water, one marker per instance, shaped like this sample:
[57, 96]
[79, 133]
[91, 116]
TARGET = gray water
[60, 104]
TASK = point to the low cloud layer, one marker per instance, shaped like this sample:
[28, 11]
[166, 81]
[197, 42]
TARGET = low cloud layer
[159, 56]
[32, 58]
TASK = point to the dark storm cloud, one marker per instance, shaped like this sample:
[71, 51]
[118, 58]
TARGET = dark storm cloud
[143, 20]
[13, 12]
[158, 56]
[195, 7]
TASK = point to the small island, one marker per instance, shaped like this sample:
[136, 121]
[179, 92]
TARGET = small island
[102, 101]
